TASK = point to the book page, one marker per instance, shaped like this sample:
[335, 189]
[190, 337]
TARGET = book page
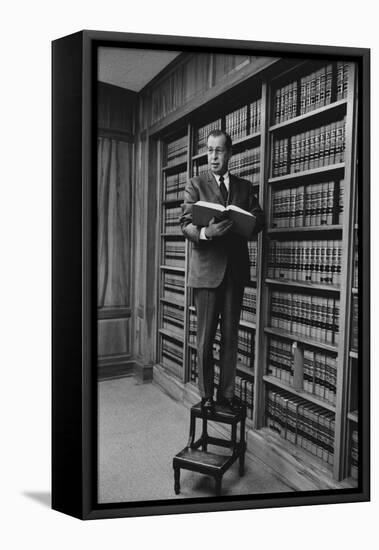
[213, 205]
[238, 209]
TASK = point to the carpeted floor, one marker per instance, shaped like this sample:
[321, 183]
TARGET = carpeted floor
[140, 430]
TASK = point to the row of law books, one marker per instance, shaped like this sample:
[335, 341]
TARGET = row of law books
[243, 388]
[244, 121]
[354, 323]
[301, 423]
[173, 318]
[176, 151]
[313, 91]
[253, 254]
[202, 133]
[175, 184]
[312, 205]
[309, 150]
[192, 329]
[249, 305]
[172, 353]
[354, 454]
[174, 253]
[305, 261]
[200, 167]
[318, 371]
[320, 374]
[171, 220]
[240, 123]
[236, 123]
[309, 316]
[247, 164]
[173, 287]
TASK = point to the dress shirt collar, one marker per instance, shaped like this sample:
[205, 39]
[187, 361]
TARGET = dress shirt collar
[226, 179]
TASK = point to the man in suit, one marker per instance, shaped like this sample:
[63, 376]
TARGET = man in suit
[219, 268]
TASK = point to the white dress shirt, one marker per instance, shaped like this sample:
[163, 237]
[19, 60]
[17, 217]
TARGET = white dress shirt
[226, 182]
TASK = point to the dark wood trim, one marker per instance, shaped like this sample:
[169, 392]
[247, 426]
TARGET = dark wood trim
[225, 85]
[143, 373]
[182, 58]
[119, 368]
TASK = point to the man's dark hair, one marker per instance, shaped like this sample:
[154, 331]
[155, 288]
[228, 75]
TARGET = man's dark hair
[218, 133]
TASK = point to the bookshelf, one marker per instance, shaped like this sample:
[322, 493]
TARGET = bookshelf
[293, 128]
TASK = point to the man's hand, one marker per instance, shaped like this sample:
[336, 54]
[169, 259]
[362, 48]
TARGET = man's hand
[216, 230]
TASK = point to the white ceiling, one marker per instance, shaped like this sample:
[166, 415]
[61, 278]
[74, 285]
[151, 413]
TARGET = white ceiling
[131, 68]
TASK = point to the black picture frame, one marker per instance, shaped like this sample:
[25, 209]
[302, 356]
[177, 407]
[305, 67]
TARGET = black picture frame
[74, 409]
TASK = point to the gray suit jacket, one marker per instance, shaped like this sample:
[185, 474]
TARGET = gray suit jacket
[208, 259]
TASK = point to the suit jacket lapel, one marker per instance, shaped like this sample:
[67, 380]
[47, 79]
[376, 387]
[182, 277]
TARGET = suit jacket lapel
[212, 181]
[231, 188]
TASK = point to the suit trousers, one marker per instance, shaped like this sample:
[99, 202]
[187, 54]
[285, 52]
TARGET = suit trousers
[223, 304]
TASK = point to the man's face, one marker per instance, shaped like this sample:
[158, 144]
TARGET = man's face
[218, 154]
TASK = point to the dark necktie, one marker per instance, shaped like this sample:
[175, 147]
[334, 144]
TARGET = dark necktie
[224, 191]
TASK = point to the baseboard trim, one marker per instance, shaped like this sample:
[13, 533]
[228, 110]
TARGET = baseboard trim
[143, 373]
[114, 369]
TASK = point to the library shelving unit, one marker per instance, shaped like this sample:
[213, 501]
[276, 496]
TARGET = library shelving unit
[294, 137]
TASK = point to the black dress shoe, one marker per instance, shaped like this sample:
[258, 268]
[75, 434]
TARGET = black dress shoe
[230, 403]
[207, 405]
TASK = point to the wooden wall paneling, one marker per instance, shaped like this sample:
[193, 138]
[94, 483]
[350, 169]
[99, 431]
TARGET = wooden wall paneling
[114, 337]
[198, 101]
[183, 89]
[116, 108]
[224, 64]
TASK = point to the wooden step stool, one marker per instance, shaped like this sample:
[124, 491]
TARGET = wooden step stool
[204, 462]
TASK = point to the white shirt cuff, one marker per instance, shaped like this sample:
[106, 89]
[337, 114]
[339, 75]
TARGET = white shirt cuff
[202, 234]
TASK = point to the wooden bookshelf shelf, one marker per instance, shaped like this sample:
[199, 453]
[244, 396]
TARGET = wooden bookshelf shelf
[172, 268]
[172, 302]
[353, 416]
[173, 235]
[320, 113]
[245, 370]
[248, 324]
[298, 338]
[171, 334]
[250, 139]
[308, 229]
[353, 354]
[299, 176]
[175, 167]
[173, 356]
[303, 394]
[303, 285]
[354, 290]
[202, 155]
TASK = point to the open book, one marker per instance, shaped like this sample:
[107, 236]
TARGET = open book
[243, 221]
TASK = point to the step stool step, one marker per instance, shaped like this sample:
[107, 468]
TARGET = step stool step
[197, 458]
